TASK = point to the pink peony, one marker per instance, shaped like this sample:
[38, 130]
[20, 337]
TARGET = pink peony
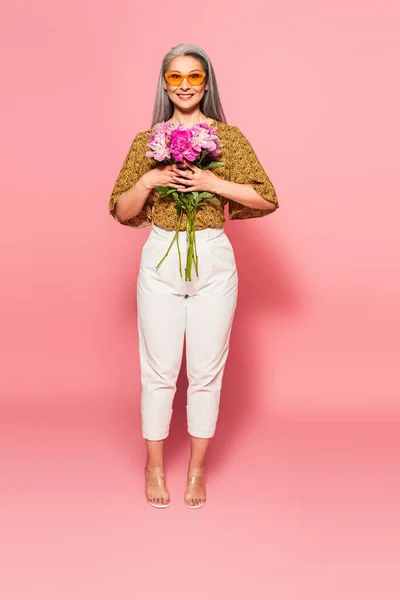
[159, 142]
[180, 141]
[205, 138]
[181, 144]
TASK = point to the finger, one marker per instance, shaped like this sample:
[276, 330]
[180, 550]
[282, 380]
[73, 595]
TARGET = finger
[190, 165]
[180, 179]
[187, 174]
[176, 166]
[189, 189]
[182, 166]
[174, 183]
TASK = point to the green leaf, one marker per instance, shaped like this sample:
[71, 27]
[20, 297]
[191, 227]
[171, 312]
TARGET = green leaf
[214, 201]
[206, 195]
[214, 165]
[161, 188]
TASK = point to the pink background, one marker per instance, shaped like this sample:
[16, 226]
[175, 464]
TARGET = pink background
[307, 439]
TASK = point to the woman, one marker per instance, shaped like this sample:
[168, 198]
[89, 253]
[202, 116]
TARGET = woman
[170, 308]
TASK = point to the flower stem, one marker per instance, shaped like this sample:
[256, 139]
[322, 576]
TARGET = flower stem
[189, 247]
[187, 276]
[177, 241]
[171, 244]
[196, 260]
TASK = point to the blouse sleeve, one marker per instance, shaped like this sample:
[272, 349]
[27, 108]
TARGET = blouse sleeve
[245, 167]
[135, 165]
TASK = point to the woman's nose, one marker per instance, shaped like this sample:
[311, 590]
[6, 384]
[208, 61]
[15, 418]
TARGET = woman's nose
[185, 84]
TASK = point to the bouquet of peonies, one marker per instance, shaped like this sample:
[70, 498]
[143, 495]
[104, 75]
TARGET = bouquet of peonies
[200, 145]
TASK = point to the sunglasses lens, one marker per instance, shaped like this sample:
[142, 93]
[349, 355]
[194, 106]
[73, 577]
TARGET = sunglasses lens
[196, 78]
[173, 78]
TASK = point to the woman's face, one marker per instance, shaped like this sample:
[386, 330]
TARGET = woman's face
[185, 96]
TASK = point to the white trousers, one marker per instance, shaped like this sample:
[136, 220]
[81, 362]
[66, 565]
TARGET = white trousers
[170, 308]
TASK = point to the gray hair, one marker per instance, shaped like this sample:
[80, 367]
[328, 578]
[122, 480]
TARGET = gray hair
[210, 104]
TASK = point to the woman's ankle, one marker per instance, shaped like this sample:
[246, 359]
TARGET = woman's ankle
[151, 466]
[196, 466]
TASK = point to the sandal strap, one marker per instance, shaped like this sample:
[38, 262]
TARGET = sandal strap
[193, 478]
[159, 479]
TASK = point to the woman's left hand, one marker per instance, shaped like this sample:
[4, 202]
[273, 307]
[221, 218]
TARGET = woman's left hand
[195, 179]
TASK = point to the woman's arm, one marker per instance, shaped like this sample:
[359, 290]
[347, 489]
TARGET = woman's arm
[247, 186]
[243, 193]
[249, 190]
[131, 202]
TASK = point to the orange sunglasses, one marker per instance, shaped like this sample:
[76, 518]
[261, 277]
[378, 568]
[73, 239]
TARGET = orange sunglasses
[176, 78]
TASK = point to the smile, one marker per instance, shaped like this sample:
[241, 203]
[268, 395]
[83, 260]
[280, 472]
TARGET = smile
[184, 96]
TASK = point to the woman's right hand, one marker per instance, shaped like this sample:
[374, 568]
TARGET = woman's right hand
[163, 175]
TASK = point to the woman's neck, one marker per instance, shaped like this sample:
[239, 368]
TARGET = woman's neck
[188, 120]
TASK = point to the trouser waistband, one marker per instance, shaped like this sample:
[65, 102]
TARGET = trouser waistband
[208, 233]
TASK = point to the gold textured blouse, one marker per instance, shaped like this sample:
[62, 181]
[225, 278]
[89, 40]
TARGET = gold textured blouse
[242, 166]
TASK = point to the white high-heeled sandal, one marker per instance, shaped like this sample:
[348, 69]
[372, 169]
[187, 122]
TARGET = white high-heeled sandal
[192, 480]
[160, 479]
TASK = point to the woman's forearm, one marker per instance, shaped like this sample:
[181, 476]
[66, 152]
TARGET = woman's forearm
[243, 193]
[131, 202]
